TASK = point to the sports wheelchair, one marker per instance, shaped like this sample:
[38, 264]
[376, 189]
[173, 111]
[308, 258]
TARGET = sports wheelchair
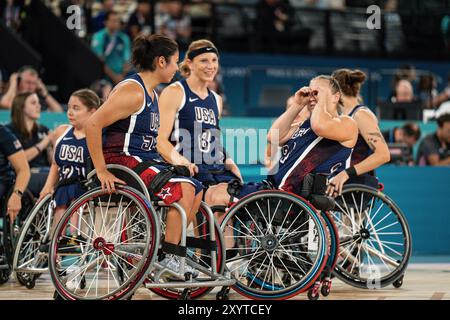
[118, 247]
[284, 244]
[9, 232]
[375, 240]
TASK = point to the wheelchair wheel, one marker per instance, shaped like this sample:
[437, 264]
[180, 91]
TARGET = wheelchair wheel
[202, 256]
[30, 254]
[10, 232]
[375, 241]
[5, 250]
[280, 245]
[104, 245]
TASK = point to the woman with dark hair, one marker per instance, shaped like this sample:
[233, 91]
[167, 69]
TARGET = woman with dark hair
[36, 139]
[14, 171]
[371, 150]
[130, 117]
[71, 154]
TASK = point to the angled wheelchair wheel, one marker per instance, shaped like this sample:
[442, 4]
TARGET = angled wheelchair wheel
[200, 253]
[9, 234]
[5, 250]
[31, 252]
[375, 240]
[280, 245]
[104, 245]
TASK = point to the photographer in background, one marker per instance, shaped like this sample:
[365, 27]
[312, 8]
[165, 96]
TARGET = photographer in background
[434, 149]
[27, 79]
[401, 142]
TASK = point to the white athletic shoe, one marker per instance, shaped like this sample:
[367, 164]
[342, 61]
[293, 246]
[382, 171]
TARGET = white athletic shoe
[172, 262]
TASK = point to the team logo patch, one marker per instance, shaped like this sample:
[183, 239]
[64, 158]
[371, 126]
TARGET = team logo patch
[165, 192]
[17, 144]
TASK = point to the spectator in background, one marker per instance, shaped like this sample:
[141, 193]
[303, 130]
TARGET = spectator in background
[36, 139]
[174, 23]
[11, 12]
[140, 20]
[404, 92]
[274, 21]
[408, 134]
[27, 80]
[113, 47]
[102, 88]
[320, 4]
[428, 93]
[434, 150]
[405, 72]
[11, 154]
[98, 22]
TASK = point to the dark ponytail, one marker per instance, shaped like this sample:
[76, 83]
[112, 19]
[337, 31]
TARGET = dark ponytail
[350, 81]
[147, 48]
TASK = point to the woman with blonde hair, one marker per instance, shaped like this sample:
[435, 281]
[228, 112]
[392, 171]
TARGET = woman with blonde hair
[190, 133]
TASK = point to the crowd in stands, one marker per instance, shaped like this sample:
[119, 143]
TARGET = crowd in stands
[110, 26]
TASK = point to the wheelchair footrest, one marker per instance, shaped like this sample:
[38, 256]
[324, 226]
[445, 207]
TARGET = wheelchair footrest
[201, 244]
[174, 249]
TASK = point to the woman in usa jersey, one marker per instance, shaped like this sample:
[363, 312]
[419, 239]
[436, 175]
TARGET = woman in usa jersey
[130, 117]
[70, 154]
[190, 133]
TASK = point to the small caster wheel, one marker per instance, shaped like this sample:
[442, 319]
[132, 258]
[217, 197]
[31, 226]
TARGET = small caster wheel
[223, 294]
[30, 284]
[398, 283]
[83, 283]
[185, 295]
[4, 276]
[313, 294]
[57, 296]
[325, 290]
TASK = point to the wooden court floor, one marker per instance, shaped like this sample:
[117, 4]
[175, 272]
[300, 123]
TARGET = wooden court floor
[423, 281]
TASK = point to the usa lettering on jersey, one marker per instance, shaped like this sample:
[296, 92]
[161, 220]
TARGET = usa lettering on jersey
[154, 121]
[71, 153]
[300, 132]
[204, 115]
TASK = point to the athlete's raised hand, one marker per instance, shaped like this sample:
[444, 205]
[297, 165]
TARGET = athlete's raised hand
[301, 97]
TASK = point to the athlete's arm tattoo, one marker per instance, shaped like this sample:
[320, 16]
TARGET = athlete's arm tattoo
[373, 139]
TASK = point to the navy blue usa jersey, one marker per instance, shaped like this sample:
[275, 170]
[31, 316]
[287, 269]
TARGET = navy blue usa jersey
[305, 153]
[135, 135]
[71, 155]
[196, 133]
